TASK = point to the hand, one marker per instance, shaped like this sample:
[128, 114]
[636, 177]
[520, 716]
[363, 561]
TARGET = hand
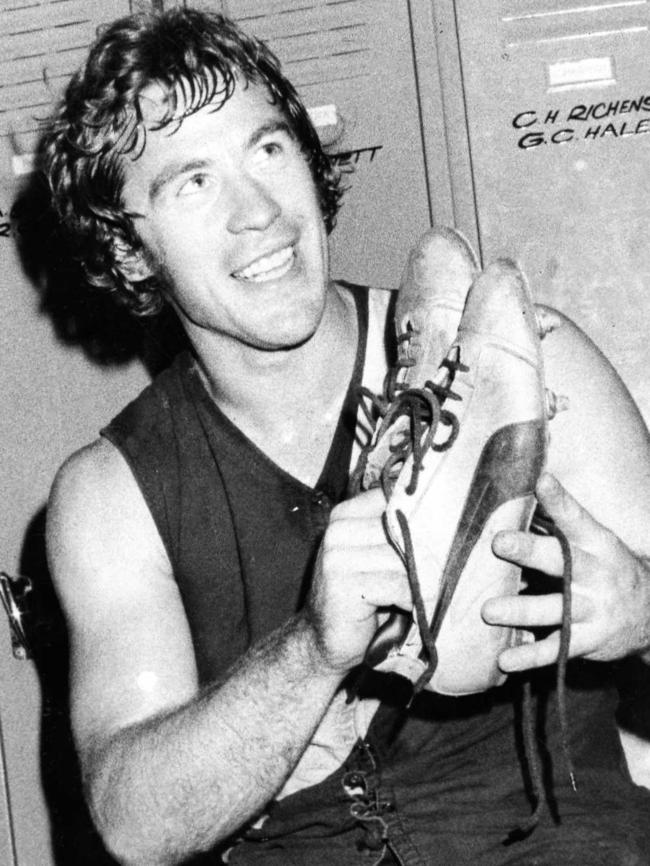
[357, 573]
[610, 609]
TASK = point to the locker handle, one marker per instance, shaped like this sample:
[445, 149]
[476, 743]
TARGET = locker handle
[14, 593]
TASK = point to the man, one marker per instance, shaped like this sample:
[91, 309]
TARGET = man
[217, 603]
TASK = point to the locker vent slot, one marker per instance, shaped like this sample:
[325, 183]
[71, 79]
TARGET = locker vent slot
[550, 21]
[319, 42]
[41, 44]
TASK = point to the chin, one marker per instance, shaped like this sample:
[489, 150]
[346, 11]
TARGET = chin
[289, 341]
[295, 330]
[289, 335]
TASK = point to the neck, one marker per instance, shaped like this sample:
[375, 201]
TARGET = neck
[283, 398]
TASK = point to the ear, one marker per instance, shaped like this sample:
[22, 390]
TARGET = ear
[132, 264]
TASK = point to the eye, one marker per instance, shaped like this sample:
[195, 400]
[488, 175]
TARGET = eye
[272, 148]
[195, 183]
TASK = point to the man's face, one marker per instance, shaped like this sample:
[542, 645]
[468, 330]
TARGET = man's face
[231, 221]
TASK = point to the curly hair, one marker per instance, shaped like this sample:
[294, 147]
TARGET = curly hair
[196, 57]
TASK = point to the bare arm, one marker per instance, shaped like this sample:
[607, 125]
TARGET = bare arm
[170, 770]
[600, 455]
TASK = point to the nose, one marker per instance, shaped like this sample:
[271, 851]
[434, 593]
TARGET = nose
[253, 207]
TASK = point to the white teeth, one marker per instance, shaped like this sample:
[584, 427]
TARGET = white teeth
[268, 267]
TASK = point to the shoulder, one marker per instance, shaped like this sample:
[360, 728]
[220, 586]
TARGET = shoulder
[97, 473]
[99, 530]
[96, 512]
[94, 466]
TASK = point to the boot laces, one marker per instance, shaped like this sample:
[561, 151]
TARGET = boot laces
[423, 409]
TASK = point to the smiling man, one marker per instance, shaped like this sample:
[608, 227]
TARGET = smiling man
[219, 588]
[227, 206]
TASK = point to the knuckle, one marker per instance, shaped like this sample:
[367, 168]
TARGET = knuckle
[331, 559]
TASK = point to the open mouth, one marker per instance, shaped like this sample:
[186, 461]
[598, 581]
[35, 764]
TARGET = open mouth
[270, 267]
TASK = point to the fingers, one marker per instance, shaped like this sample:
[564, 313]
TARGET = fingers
[357, 574]
[515, 610]
[358, 571]
[530, 551]
[355, 534]
[528, 611]
[543, 553]
[371, 563]
[357, 523]
[532, 655]
[382, 591]
[583, 642]
[369, 503]
[591, 543]
[357, 559]
[574, 520]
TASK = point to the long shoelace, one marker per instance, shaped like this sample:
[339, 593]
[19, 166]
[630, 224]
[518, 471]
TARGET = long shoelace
[544, 525]
[423, 408]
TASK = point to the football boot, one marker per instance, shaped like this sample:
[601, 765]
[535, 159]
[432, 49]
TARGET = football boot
[470, 446]
[439, 271]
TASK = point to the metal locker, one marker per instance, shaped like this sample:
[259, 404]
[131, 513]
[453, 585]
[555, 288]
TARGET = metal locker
[557, 96]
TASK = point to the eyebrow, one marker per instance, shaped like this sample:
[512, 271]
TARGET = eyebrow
[172, 170]
[180, 166]
[269, 128]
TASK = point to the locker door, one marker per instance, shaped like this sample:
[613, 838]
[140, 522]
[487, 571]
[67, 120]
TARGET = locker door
[54, 397]
[558, 110]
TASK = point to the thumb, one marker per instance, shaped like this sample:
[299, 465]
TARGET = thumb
[568, 515]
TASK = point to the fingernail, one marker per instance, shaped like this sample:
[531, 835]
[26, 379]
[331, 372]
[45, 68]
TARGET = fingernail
[485, 613]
